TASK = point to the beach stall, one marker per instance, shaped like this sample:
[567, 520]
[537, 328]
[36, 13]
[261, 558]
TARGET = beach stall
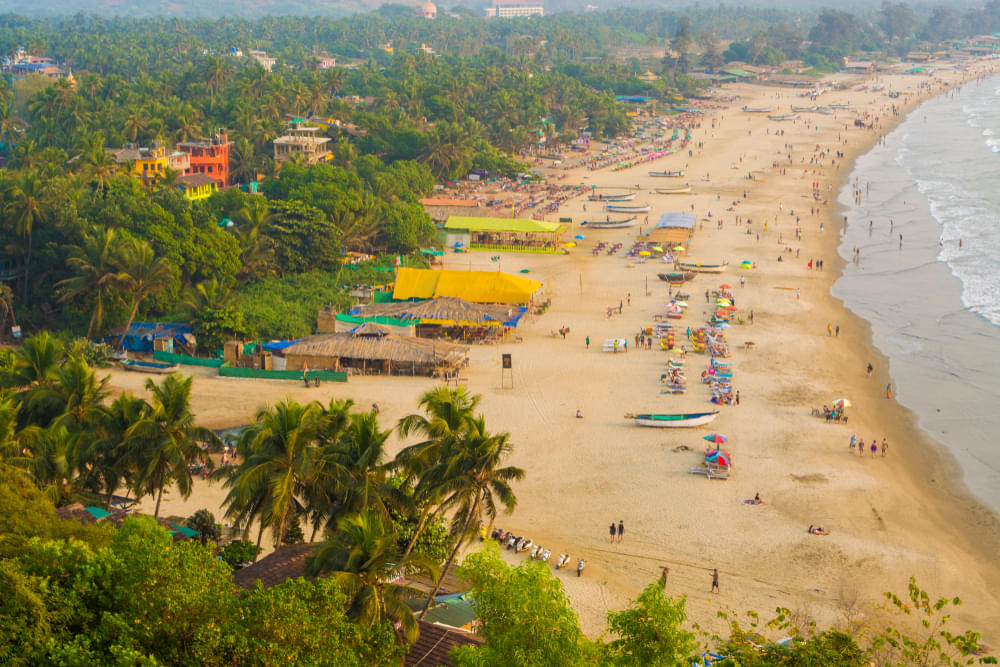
[510, 234]
[673, 229]
[449, 317]
[371, 348]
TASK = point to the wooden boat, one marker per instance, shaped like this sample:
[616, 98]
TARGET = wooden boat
[840, 106]
[787, 116]
[679, 190]
[676, 278]
[667, 174]
[627, 209]
[702, 268]
[802, 109]
[757, 109]
[610, 224]
[148, 366]
[679, 420]
[824, 110]
[625, 197]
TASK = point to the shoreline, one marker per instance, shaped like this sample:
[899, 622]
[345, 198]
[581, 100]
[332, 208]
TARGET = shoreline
[887, 521]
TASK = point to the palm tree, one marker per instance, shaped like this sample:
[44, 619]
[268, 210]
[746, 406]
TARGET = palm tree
[142, 275]
[25, 208]
[476, 484]
[7, 304]
[95, 268]
[216, 72]
[448, 412]
[252, 222]
[48, 459]
[106, 464]
[363, 559]
[36, 362]
[280, 461]
[166, 441]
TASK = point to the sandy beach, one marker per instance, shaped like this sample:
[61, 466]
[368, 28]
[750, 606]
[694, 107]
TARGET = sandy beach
[890, 518]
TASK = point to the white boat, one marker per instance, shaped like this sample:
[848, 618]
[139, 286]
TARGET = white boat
[627, 209]
[787, 116]
[824, 110]
[609, 224]
[680, 190]
[666, 174]
[677, 420]
[698, 267]
[803, 109]
[625, 197]
[757, 109]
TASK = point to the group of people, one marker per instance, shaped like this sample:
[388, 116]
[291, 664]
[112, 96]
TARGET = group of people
[873, 447]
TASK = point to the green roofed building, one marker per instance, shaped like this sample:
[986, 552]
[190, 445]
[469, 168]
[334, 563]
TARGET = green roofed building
[509, 234]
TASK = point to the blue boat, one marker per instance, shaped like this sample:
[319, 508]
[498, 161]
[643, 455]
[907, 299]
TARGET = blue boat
[148, 366]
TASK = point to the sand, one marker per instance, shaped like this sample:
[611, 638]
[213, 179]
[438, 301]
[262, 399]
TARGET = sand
[889, 518]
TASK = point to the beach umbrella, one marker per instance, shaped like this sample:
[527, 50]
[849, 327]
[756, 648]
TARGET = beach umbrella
[679, 248]
[570, 245]
[525, 271]
[644, 253]
[842, 403]
[717, 438]
[746, 264]
[722, 302]
[657, 248]
[725, 286]
[682, 304]
[580, 237]
[721, 325]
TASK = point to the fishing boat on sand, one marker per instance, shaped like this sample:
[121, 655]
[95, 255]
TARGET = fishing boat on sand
[824, 110]
[802, 109]
[148, 366]
[609, 224]
[624, 197]
[679, 420]
[614, 208]
[787, 116]
[676, 277]
[698, 267]
[679, 190]
[667, 174]
[757, 109]
[840, 106]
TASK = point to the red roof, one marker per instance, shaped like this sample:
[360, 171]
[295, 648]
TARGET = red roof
[434, 644]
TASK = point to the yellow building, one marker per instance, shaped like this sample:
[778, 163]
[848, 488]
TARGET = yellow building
[197, 186]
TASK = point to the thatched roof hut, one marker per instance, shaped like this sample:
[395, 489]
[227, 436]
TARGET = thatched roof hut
[446, 310]
[372, 348]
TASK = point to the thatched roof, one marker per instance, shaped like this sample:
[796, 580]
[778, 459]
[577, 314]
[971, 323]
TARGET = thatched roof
[444, 310]
[372, 343]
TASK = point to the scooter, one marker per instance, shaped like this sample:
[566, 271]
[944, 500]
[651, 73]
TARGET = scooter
[535, 550]
[579, 567]
[544, 557]
[506, 536]
[562, 562]
[524, 546]
[512, 541]
[497, 533]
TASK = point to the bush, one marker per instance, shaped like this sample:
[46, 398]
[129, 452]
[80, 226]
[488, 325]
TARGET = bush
[238, 553]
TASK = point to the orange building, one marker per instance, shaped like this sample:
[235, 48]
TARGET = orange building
[209, 157]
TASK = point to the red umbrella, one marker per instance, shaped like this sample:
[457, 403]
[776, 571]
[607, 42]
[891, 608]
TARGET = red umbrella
[717, 438]
[725, 286]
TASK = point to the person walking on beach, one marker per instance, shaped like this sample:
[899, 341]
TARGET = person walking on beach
[861, 447]
[587, 342]
[829, 330]
[796, 293]
[621, 531]
[628, 298]
[885, 447]
[836, 331]
[611, 529]
[664, 571]
[715, 581]
[888, 390]
[737, 397]
[874, 449]
[870, 369]
[854, 440]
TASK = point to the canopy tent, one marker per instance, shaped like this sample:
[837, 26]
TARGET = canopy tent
[474, 286]
[515, 225]
[509, 234]
[447, 311]
[676, 221]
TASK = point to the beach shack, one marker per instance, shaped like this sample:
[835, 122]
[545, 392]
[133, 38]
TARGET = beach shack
[449, 318]
[510, 234]
[473, 286]
[372, 349]
[673, 229]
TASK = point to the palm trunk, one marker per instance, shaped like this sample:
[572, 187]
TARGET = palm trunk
[27, 268]
[424, 518]
[128, 325]
[451, 559]
[260, 534]
[159, 497]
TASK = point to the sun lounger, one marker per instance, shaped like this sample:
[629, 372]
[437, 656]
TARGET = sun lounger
[711, 472]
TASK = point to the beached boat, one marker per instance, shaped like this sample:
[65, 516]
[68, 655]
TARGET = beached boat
[679, 420]
[757, 109]
[148, 366]
[840, 106]
[666, 174]
[676, 277]
[610, 224]
[627, 209]
[787, 116]
[802, 109]
[679, 190]
[625, 197]
[824, 110]
[697, 267]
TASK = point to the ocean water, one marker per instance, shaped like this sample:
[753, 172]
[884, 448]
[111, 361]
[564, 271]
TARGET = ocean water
[928, 277]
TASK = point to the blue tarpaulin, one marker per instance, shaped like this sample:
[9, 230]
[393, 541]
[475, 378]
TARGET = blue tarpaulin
[140, 336]
[279, 344]
[676, 221]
